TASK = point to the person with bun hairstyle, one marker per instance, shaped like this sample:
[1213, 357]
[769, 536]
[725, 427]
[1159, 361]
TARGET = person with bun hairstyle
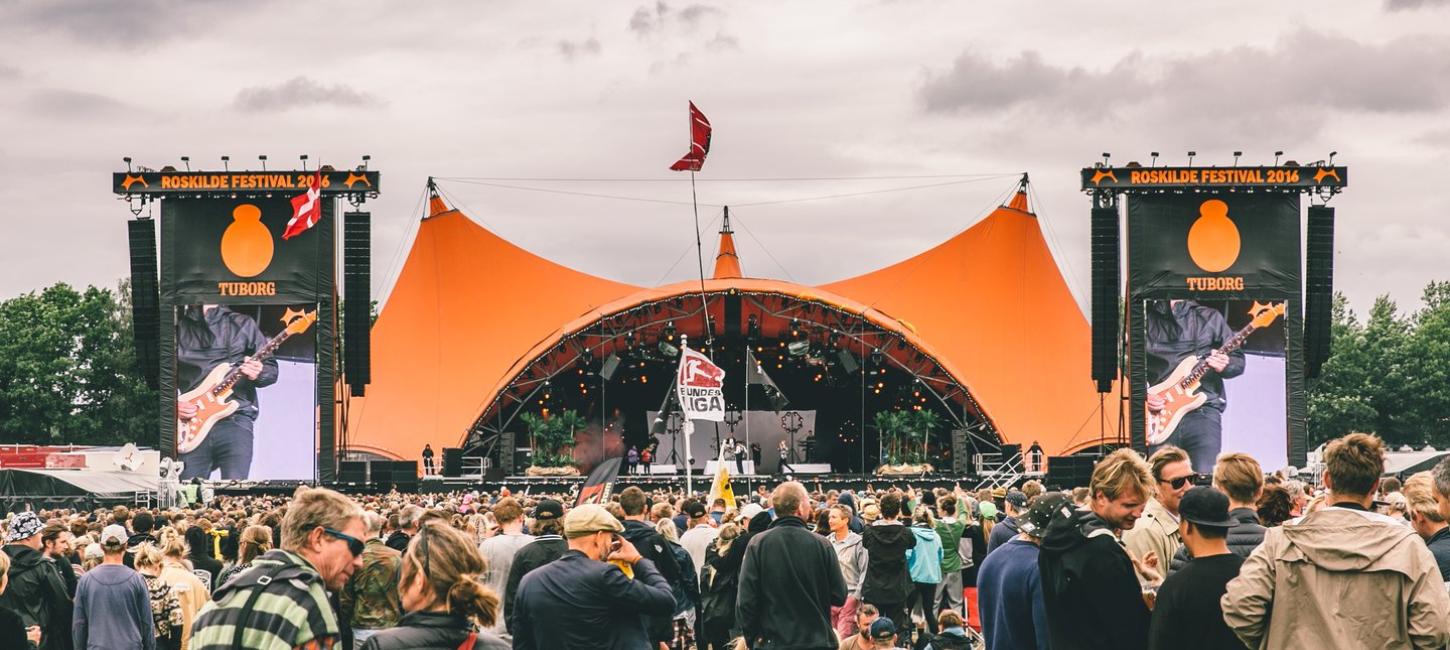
[190, 590]
[254, 541]
[444, 596]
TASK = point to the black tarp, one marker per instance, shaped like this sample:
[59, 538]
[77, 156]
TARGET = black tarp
[36, 489]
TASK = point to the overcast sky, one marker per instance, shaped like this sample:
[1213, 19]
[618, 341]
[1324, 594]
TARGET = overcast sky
[917, 90]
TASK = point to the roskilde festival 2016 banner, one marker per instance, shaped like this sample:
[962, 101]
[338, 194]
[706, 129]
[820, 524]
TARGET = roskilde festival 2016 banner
[1216, 271]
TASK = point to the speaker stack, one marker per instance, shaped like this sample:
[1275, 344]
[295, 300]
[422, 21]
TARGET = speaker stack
[357, 300]
[961, 453]
[405, 475]
[1106, 281]
[452, 462]
[145, 302]
[1318, 287]
[1066, 472]
[352, 472]
[506, 452]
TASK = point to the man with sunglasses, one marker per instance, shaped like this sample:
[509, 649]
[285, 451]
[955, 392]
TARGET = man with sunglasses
[1156, 533]
[321, 548]
[596, 596]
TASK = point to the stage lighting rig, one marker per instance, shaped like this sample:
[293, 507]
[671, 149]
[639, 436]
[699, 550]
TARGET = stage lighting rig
[1155, 158]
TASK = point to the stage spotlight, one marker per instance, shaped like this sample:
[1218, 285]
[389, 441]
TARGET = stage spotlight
[1155, 157]
[795, 328]
[798, 348]
[668, 349]
[876, 357]
[668, 334]
[1276, 157]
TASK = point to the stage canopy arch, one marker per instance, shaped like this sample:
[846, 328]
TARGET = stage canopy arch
[981, 328]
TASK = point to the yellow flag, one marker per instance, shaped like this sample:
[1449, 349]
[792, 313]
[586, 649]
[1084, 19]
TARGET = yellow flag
[720, 488]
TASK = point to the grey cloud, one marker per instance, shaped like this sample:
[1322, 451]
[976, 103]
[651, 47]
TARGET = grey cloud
[67, 104]
[642, 22]
[1285, 91]
[722, 43]
[646, 20]
[301, 92]
[1401, 5]
[135, 23]
[571, 49]
[692, 14]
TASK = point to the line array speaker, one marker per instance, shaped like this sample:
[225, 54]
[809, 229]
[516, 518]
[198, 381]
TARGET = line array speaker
[732, 315]
[357, 300]
[1106, 280]
[609, 367]
[506, 452]
[848, 362]
[961, 452]
[1318, 287]
[145, 301]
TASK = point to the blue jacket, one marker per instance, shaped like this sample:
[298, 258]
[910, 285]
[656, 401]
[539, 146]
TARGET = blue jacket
[924, 559]
[112, 610]
[1009, 597]
[578, 603]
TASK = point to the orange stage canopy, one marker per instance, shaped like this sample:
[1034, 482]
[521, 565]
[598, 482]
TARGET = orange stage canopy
[470, 310]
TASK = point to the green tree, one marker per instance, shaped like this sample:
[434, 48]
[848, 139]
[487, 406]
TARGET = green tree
[68, 369]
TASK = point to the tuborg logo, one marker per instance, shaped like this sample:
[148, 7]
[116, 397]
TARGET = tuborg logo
[1213, 240]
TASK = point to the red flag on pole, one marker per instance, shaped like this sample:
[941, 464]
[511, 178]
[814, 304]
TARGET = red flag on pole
[306, 208]
[699, 142]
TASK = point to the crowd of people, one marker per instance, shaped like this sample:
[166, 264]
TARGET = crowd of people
[1150, 554]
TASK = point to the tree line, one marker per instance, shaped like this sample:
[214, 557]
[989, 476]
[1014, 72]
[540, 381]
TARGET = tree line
[68, 371]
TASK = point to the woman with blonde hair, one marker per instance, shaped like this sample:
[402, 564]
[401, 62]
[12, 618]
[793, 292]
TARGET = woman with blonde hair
[443, 596]
[166, 615]
[719, 583]
[688, 593]
[254, 541]
[189, 588]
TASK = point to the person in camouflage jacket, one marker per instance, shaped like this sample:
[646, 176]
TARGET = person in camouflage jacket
[370, 601]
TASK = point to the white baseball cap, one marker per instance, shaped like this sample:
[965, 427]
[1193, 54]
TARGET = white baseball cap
[114, 531]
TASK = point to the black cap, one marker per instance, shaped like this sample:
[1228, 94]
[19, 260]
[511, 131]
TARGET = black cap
[883, 629]
[1205, 506]
[548, 509]
[694, 509]
[1034, 521]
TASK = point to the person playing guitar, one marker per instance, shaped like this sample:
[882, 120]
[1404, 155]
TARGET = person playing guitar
[1176, 330]
[208, 336]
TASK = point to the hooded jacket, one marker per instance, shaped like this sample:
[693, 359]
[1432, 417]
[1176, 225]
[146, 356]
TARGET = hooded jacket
[853, 557]
[35, 591]
[1291, 592]
[652, 546]
[789, 580]
[924, 559]
[887, 581]
[1090, 590]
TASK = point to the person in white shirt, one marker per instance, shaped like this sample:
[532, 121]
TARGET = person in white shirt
[702, 532]
[499, 551]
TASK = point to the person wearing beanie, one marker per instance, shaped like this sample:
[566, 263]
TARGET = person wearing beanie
[36, 592]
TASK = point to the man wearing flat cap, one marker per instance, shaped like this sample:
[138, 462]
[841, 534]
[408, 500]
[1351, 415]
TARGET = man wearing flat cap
[585, 599]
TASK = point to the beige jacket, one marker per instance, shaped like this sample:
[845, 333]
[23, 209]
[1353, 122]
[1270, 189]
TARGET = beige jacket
[1339, 578]
[1157, 531]
[190, 591]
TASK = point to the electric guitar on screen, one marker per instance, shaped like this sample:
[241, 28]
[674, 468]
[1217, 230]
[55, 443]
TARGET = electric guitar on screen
[212, 398]
[1180, 390]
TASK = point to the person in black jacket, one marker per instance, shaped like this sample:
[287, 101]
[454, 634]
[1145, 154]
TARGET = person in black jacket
[35, 592]
[1238, 475]
[719, 585]
[789, 580]
[206, 337]
[1187, 614]
[548, 545]
[653, 547]
[443, 596]
[1090, 587]
[585, 600]
[198, 553]
[887, 582]
[1177, 330]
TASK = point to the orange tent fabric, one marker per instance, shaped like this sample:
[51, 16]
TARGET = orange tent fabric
[470, 310]
[993, 301]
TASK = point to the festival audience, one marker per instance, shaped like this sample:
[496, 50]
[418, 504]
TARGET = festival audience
[887, 583]
[1425, 519]
[951, 530]
[443, 595]
[1290, 592]
[1237, 475]
[112, 605]
[166, 614]
[1186, 613]
[35, 593]
[860, 638]
[499, 550]
[1009, 583]
[548, 545]
[924, 562]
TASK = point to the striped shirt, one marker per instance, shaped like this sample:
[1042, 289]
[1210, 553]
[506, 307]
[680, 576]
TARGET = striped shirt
[293, 610]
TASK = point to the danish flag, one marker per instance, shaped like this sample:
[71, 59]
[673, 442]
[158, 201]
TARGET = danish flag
[306, 208]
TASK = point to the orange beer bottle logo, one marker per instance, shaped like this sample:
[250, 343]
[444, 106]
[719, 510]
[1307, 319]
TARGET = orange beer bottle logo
[1213, 241]
[247, 244]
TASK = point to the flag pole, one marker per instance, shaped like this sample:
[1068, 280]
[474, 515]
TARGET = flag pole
[749, 482]
[689, 425]
[700, 259]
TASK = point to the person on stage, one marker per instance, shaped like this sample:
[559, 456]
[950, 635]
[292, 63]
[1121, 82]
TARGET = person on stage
[740, 458]
[207, 336]
[784, 450]
[1176, 330]
[428, 460]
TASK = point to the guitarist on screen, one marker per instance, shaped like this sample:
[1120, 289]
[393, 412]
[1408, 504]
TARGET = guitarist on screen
[1179, 329]
[207, 336]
